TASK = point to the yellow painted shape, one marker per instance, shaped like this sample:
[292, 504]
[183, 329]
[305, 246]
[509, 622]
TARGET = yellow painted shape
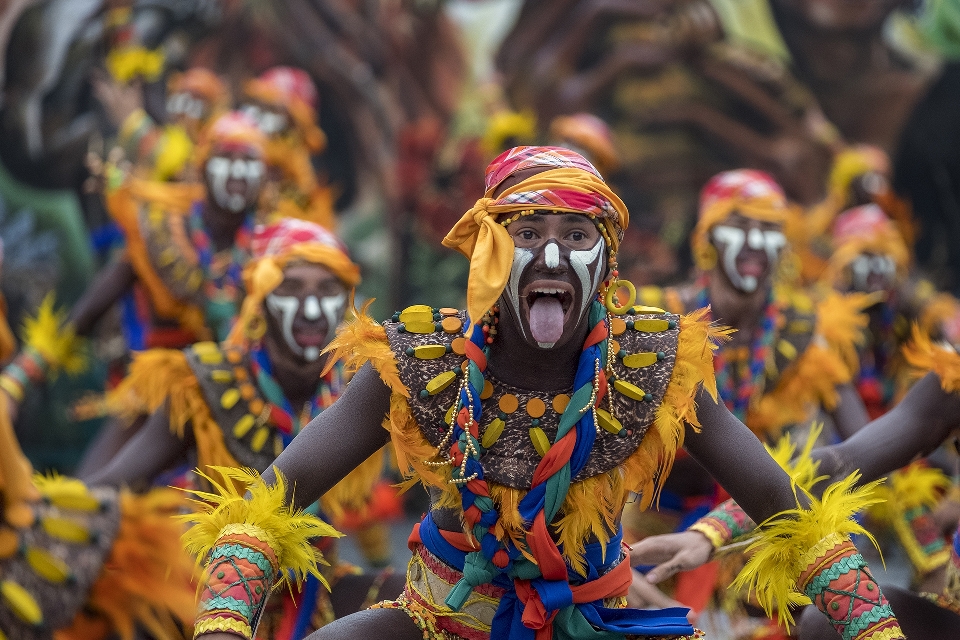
[492, 433]
[66, 530]
[650, 326]
[440, 382]
[243, 425]
[540, 441]
[230, 398]
[638, 360]
[21, 602]
[608, 422]
[47, 566]
[632, 391]
[429, 351]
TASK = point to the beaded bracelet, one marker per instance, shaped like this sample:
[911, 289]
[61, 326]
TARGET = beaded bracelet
[240, 571]
[839, 583]
[725, 523]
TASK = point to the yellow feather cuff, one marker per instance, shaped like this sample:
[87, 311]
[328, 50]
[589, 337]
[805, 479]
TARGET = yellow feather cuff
[926, 357]
[784, 541]
[266, 508]
[55, 340]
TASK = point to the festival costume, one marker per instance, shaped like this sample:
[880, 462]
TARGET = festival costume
[237, 413]
[539, 478]
[291, 91]
[85, 563]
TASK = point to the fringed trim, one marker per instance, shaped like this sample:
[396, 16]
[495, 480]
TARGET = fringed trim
[785, 541]
[842, 321]
[926, 357]
[147, 581]
[355, 491]
[811, 381]
[49, 334]
[163, 378]
[290, 530]
[648, 467]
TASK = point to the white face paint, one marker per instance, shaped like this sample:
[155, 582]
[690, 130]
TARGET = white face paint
[734, 238]
[864, 266]
[521, 258]
[581, 261]
[221, 169]
[551, 255]
[285, 308]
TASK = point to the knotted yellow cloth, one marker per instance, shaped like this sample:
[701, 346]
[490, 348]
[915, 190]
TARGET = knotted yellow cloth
[488, 245]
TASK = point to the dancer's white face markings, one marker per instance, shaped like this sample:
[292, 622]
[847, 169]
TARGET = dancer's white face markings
[521, 258]
[551, 255]
[582, 261]
[305, 308]
[733, 239]
[245, 175]
[867, 265]
[284, 309]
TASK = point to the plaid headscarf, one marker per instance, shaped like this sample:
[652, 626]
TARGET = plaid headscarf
[570, 184]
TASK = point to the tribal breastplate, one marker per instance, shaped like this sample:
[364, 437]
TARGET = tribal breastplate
[518, 424]
[255, 430]
[47, 569]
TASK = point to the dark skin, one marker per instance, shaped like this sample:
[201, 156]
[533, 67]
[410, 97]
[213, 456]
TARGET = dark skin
[343, 436]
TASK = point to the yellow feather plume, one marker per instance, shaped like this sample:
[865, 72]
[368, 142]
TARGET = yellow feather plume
[361, 340]
[925, 357]
[266, 508]
[841, 322]
[801, 467]
[913, 486]
[783, 540]
[55, 340]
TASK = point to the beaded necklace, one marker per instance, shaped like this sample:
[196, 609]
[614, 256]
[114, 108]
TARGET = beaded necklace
[281, 413]
[223, 269]
[738, 391]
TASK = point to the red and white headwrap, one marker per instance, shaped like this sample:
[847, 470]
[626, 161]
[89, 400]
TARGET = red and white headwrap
[293, 90]
[751, 193]
[865, 229]
[275, 246]
[232, 131]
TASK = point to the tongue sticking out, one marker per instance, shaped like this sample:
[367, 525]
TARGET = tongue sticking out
[546, 319]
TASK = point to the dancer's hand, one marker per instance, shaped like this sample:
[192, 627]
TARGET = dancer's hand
[645, 595]
[671, 553]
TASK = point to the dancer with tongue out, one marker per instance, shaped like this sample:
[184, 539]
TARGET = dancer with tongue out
[531, 417]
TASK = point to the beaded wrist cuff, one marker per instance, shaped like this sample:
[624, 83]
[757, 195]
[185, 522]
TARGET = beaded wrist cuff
[723, 524]
[839, 583]
[920, 537]
[240, 571]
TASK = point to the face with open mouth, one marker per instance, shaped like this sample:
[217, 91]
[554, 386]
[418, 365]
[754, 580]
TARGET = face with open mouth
[871, 272]
[304, 310]
[188, 110]
[748, 251]
[234, 177]
[559, 261]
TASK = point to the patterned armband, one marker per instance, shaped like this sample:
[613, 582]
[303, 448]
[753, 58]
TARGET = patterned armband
[27, 369]
[920, 537]
[725, 523]
[241, 569]
[837, 580]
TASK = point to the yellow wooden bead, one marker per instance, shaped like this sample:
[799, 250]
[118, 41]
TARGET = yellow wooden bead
[560, 402]
[608, 422]
[787, 349]
[47, 566]
[638, 360]
[650, 326]
[66, 530]
[487, 390]
[440, 382]
[420, 327]
[639, 308]
[230, 398]
[448, 418]
[277, 445]
[221, 376]
[429, 351]
[509, 403]
[492, 433]
[632, 391]
[19, 600]
[617, 326]
[540, 441]
[536, 408]
[74, 498]
[417, 313]
[243, 426]
[260, 439]
[452, 324]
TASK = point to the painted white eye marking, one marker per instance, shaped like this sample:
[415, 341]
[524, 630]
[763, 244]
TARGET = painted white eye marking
[581, 261]
[551, 255]
[311, 308]
[284, 309]
[733, 239]
[521, 258]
